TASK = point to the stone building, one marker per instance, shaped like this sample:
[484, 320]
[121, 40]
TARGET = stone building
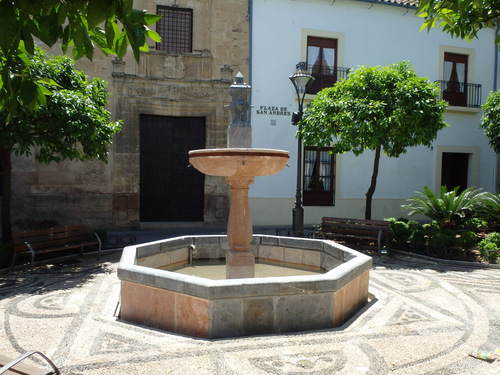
[176, 99]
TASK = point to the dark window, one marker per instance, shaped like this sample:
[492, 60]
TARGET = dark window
[319, 177]
[175, 28]
[454, 170]
[322, 62]
[455, 79]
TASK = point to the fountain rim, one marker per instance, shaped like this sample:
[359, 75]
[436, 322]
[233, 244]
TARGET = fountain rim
[353, 264]
[238, 152]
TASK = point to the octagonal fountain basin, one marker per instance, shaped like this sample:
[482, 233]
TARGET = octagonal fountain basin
[201, 307]
[238, 162]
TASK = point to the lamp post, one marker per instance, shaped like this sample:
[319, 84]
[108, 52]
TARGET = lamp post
[301, 80]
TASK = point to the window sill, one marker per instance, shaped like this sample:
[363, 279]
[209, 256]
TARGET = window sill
[454, 108]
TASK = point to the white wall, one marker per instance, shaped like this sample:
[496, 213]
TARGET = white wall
[374, 34]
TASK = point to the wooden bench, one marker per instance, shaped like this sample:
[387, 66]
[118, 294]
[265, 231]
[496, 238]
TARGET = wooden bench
[53, 240]
[351, 230]
[14, 366]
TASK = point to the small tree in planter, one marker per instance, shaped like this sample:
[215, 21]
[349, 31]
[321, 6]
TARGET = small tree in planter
[384, 109]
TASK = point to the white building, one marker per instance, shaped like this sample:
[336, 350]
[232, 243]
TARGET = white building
[345, 34]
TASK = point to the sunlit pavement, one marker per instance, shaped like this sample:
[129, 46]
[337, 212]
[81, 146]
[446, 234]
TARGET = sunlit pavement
[426, 317]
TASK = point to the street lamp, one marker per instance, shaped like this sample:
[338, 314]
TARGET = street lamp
[301, 80]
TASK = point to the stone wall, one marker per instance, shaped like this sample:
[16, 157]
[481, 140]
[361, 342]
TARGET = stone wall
[194, 84]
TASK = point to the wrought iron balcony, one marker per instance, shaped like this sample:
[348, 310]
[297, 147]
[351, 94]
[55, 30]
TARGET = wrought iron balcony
[325, 76]
[460, 94]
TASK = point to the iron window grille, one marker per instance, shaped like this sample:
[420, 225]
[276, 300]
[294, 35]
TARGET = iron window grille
[175, 28]
[325, 77]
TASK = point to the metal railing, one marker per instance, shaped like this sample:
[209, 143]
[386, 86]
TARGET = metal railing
[325, 76]
[461, 94]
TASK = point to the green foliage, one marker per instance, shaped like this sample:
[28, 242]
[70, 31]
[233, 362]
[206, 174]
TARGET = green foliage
[408, 234]
[72, 124]
[490, 121]
[490, 210]
[399, 231]
[460, 18]
[440, 239]
[417, 239]
[377, 106]
[476, 224]
[450, 210]
[468, 239]
[111, 25]
[489, 248]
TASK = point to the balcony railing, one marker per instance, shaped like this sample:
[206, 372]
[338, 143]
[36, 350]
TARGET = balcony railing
[325, 76]
[461, 94]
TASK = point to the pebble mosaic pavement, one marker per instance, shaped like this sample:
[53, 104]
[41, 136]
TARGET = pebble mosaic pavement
[425, 318]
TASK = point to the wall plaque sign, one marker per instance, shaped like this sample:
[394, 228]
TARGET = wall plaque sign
[272, 110]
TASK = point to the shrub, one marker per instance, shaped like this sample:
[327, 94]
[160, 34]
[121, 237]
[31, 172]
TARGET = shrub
[399, 232]
[417, 236]
[490, 210]
[489, 248]
[476, 224]
[441, 239]
[450, 210]
[468, 239]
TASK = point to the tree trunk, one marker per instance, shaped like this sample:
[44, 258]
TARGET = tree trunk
[373, 185]
[6, 167]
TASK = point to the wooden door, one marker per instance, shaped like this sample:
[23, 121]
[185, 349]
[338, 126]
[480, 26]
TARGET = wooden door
[170, 190]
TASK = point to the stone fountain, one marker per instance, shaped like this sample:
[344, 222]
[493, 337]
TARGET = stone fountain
[239, 163]
[241, 304]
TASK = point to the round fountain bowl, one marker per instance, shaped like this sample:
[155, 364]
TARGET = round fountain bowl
[201, 307]
[238, 162]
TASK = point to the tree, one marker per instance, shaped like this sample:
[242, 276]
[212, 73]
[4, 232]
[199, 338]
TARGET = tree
[76, 24]
[72, 124]
[490, 121]
[377, 108]
[461, 18]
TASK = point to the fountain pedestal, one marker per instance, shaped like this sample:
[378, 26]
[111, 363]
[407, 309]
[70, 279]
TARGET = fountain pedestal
[239, 166]
[240, 260]
[239, 163]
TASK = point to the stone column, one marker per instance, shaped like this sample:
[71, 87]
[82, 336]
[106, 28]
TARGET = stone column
[240, 260]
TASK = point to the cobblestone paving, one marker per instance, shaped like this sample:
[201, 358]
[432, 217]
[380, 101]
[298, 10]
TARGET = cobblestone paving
[425, 318]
